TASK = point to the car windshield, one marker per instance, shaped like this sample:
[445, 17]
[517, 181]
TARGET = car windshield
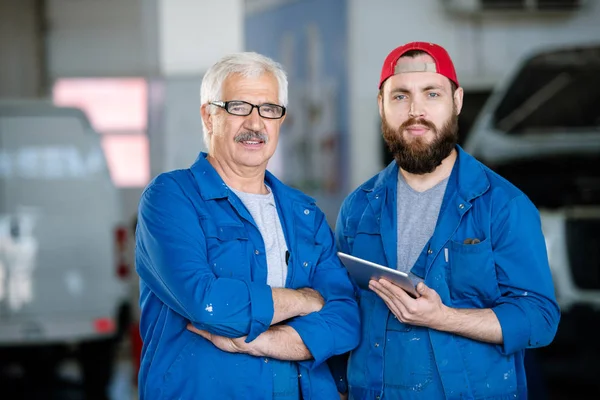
[556, 181]
[556, 91]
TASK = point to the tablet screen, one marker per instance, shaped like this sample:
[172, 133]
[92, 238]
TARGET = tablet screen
[362, 271]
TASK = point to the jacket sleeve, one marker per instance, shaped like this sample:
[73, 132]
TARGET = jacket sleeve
[527, 309]
[171, 259]
[336, 328]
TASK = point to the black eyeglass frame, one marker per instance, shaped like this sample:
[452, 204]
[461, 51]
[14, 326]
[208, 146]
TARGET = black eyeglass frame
[225, 105]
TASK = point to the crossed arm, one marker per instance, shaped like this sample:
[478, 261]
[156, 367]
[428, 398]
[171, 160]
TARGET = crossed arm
[171, 260]
[279, 341]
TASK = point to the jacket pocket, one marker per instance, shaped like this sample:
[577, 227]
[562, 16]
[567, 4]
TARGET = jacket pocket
[364, 239]
[365, 225]
[368, 226]
[173, 373]
[491, 374]
[408, 357]
[226, 248]
[472, 273]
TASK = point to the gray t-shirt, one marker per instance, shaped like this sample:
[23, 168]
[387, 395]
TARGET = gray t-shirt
[264, 212]
[417, 216]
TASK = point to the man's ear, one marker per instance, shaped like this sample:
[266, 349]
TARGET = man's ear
[458, 99]
[380, 104]
[206, 116]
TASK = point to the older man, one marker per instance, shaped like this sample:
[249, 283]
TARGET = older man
[242, 294]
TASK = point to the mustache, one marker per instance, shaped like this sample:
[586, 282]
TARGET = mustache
[417, 121]
[250, 136]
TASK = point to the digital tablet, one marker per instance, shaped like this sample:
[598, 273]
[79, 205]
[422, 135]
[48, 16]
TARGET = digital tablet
[362, 271]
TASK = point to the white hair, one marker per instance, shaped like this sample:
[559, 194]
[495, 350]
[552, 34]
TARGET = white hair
[247, 64]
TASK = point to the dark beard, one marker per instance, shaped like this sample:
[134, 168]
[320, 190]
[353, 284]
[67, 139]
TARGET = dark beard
[417, 156]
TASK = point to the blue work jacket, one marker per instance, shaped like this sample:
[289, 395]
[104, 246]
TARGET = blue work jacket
[507, 271]
[201, 258]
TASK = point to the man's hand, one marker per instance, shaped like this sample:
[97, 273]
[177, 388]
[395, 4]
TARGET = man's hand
[426, 310]
[281, 342]
[313, 299]
[237, 345]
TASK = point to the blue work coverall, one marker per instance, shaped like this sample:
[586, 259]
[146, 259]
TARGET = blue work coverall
[201, 258]
[507, 271]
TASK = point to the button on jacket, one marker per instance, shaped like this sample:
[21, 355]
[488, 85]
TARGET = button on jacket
[201, 258]
[505, 269]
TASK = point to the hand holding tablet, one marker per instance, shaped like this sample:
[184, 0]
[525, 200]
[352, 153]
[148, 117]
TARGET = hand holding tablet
[362, 271]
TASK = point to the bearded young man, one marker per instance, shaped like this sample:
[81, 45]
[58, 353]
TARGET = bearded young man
[471, 241]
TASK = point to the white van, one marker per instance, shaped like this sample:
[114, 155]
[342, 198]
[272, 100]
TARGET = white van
[63, 291]
[540, 129]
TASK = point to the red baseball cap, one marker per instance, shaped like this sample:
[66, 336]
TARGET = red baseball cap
[443, 63]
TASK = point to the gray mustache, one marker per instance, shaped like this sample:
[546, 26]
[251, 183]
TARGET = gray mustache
[251, 136]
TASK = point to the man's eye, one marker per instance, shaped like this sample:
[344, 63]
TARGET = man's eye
[433, 94]
[400, 97]
[238, 108]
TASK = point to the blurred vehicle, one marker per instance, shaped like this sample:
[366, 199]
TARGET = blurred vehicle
[63, 271]
[540, 129]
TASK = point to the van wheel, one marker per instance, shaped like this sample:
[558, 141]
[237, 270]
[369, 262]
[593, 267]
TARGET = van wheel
[97, 360]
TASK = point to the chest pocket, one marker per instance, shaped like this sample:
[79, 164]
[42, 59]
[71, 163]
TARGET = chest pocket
[227, 250]
[364, 231]
[368, 226]
[472, 274]
[366, 234]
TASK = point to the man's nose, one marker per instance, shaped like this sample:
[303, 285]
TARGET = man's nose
[416, 109]
[254, 121]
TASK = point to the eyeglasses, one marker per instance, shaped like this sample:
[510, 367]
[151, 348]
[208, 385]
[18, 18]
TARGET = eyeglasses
[243, 108]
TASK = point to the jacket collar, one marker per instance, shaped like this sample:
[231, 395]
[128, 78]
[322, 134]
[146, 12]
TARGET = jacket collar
[472, 180]
[211, 186]
[469, 174]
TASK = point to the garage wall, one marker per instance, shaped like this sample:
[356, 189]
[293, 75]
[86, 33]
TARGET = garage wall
[21, 67]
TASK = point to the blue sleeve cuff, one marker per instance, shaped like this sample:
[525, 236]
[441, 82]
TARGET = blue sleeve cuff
[317, 337]
[515, 325]
[261, 303]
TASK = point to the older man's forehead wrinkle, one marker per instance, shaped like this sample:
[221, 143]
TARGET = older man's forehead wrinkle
[256, 90]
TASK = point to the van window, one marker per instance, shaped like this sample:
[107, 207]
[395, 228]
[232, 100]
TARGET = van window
[556, 91]
[51, 148]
